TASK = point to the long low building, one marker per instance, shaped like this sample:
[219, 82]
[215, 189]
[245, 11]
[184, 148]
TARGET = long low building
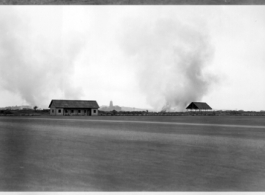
[74, 107]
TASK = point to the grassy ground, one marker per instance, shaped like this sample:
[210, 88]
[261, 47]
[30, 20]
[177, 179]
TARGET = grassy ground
[39, 154]
[133, 2]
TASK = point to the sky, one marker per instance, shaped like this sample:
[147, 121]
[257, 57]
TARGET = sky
[151, 57]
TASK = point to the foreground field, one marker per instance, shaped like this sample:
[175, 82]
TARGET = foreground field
[133, 2]
[132, 153]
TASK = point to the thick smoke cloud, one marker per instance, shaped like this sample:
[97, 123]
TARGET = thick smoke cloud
[171, 58]
[36, 58]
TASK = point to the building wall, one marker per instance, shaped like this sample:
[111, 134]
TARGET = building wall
[56, 111]
[52, 111]
[73, 112]
[94, 112]
[59, 111]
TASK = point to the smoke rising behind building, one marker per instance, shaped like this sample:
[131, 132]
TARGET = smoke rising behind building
[37, 58]
[151, 57]
[171, 58]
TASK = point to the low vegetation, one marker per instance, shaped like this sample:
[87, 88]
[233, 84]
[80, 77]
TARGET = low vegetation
[192, 113]
[46, 112]
[28, 112]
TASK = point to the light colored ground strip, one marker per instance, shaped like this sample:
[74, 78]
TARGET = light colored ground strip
[142, 122]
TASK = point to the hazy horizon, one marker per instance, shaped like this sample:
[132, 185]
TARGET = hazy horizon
[150, 57]
[140, 108]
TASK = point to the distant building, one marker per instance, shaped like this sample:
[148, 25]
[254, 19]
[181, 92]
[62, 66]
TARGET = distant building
[74, 107]
[110, 107]
[111, 104]
[198, 106]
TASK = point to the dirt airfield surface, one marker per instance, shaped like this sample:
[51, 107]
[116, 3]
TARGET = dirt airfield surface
[132, 2]
[132, 153]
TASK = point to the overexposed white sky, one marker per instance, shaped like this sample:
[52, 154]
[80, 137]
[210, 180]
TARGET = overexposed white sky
[137, 56]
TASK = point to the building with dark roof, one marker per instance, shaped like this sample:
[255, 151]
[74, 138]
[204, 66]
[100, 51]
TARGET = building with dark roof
[74, 107]
[198, 106]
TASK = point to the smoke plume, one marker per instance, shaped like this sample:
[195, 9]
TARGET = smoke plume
[36, 58]
[171, 60]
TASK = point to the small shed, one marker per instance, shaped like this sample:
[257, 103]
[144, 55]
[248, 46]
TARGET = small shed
[74, 107]
[198, 106]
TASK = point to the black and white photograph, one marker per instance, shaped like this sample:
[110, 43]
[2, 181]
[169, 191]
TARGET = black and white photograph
[123, 96]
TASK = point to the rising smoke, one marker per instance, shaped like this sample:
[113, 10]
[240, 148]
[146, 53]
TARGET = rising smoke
[171, 58]
[36, 59]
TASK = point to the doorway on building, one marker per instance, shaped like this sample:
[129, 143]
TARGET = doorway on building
[89, 112]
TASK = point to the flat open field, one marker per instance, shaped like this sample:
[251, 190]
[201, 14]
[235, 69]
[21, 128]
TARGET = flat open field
[133, 2]
[137, 153]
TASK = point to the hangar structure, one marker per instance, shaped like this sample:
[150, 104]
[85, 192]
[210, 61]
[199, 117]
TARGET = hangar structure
[198, 106]
[74, 107]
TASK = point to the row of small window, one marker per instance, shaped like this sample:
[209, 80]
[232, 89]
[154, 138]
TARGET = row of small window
[72, 111]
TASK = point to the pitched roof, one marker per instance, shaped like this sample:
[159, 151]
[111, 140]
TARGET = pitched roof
[74, 104]
[198, 105]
